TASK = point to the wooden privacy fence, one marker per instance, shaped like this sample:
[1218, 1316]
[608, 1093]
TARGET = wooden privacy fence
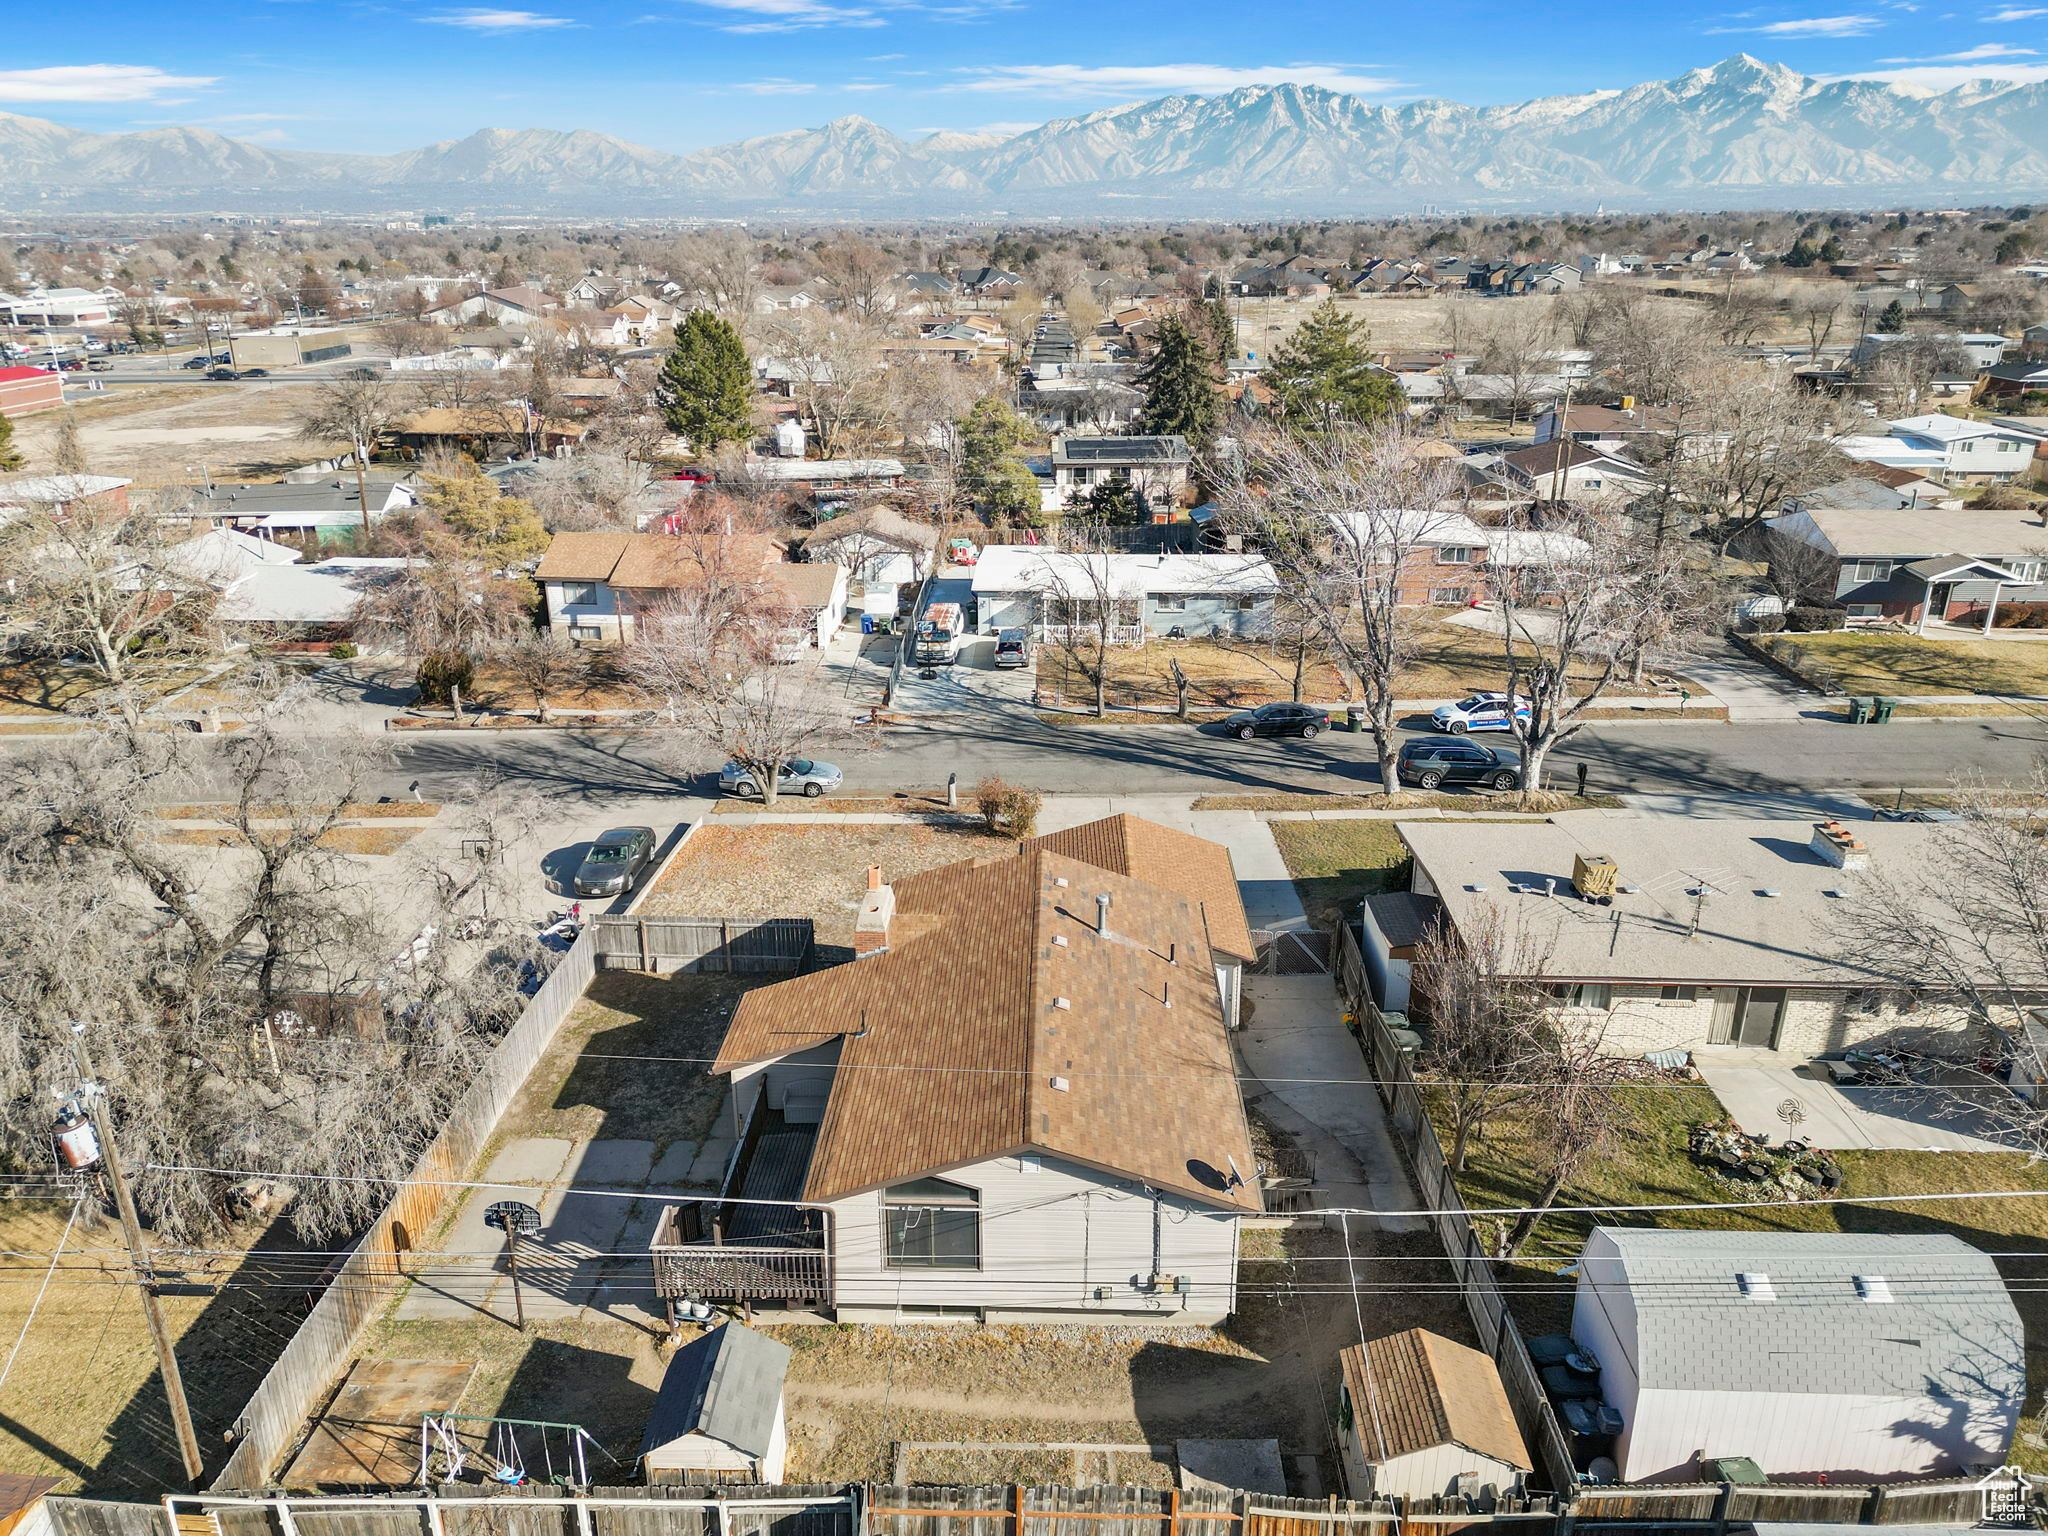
[800, 1509]
[371, 1275]
[1107, 1510]
[741, 946]
[1498, 1334]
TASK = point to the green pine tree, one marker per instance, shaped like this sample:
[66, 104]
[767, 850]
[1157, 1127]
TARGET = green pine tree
[1180, 386]
[1323, 373]
[10, 456]
[706, 387]
[1113, 503]
[1893, 319]
[1831, 249]
[992, 469]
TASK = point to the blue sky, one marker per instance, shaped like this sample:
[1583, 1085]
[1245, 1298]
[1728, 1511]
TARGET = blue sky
[380, 75]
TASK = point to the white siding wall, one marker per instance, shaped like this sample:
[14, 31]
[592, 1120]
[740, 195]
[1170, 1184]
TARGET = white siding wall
[1428, 1474]
[601, 613]
[1816, 1023]
[1049, 1238]
[1798, 1434]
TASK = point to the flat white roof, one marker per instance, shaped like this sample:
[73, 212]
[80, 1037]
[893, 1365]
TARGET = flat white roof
[1033, 568]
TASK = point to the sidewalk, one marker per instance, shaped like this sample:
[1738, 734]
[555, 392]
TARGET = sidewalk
[1751, 690]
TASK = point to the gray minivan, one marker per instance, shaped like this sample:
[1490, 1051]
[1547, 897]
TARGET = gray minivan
[1013, 648]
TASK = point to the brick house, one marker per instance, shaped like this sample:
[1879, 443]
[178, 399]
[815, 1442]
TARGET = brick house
[24, 391]
[1447, 557]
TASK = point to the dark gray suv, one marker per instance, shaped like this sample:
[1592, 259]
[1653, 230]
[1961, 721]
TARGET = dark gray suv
[1460, 760]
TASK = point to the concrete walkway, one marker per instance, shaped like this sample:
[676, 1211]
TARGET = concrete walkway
[1751, 690]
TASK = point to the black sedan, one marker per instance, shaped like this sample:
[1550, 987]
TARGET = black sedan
[1303, 720]
[615, 862]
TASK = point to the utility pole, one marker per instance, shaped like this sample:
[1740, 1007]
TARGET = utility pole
[145, 1276]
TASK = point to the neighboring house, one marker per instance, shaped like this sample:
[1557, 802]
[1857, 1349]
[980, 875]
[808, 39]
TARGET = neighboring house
[1854, 493]
[1069, 404]
[477, 431]
[988, 282]
[1156, 466]
[1447, 556]
[597, 582]
[1839, 1356]
[1981, 348]
[1059, 1187]
[1500, 394]
[1030, 586]
[516, 306]
[824, 474]
[1610, 429]
[1917, 458]
[1973, 452]
[304, 602]
[1571, 471]
[593, 327]
[882, 550]
[1922, 564]
[1918, 489]
[58, 306]
[24, 390]
[718, 1417]
[1722, 933]
[61, 491]
[780, 298]
[2008, 381]
[304, 509]
[1427, 1418]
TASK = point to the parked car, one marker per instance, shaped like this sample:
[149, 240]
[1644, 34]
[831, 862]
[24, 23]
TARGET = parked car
[73, 365]
[1427, 764]
[799, 775]
[226, 374]
[1481, 712]
[1013, 647]
[615, 862]
[253, 373]
[100, 365]
[1302, 720]
[194, 364]
[694, 476]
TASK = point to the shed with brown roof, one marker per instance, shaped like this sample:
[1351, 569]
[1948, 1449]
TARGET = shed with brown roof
[1426, 1416]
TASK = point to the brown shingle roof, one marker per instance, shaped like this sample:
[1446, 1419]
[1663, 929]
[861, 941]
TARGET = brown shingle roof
[953, 1048]
[1180, 862]
[1415, 1390]
[648, 562]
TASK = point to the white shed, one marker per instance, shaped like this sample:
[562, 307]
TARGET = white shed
[1859, 1355]
[1424, 1416]
[718, 1416]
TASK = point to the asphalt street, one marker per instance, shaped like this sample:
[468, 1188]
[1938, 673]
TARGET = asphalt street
[1775, 760]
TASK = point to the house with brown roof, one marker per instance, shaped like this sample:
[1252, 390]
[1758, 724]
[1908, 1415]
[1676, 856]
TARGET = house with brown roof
[596, 582]
[1017, 1103]
[1423, 1417]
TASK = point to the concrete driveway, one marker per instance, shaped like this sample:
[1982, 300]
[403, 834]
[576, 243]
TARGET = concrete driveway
[1910, 1118]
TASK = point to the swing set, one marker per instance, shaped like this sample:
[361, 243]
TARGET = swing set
[504, 1451]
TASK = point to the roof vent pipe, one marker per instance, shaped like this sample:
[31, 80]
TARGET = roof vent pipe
[1102, 913]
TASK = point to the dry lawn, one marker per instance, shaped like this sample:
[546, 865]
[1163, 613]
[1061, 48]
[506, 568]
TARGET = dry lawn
[1544, 800]
[81, 1401]
[1914, 664]
[929, 802]
[816, 870]
[382, 810]
[45, 686]
[600, 687]
[150, 433]
[372, 841]
[1337, 864]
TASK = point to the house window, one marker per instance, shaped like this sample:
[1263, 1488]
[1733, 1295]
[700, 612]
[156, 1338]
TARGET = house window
[1246, 604]
[1870, 570]
[1865, 1001]
[1678, 994]
[1454, 554]
[932, 1224]
[1591, 485]
[1449, 597]
[1171, 602]
[2007, 445]
[580, 632]
[1864, 610]
[579, 594]
[1083, 476]
[1583, 994]
[2028, 571]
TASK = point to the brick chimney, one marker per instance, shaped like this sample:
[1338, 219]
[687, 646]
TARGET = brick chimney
[877, 909]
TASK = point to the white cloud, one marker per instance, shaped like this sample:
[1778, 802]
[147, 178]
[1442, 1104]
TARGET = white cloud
[1968, 55]
[94, 82]
[480, 20]
[264, 136]
[866, 85]
[1122, 80]
[793, 15]
[775, 87]
[2014, 13]
[1812, 26]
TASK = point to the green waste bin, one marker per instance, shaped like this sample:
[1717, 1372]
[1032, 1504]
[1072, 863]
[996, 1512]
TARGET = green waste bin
[1884, 710]
[1354, 718]
[1861, 709]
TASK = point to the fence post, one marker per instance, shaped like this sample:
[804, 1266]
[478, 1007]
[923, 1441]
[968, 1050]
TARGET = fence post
[725, 943]
[646, 959]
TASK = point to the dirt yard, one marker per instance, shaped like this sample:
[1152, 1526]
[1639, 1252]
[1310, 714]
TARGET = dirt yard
[162, 435]
[814, 870]
[81, 1399]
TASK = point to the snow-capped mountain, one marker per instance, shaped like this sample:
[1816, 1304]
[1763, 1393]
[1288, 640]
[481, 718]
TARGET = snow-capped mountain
[1741, 132]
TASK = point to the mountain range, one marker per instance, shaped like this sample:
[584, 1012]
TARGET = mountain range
[1742, 133]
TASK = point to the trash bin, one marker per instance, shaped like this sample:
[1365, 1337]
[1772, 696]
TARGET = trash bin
[1354, 717]
[867, 623]
[1884, 710]
[1861, 709]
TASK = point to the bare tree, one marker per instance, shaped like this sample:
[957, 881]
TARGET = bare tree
[91, 573]
[1800, 572]
[1088, 603]
[542, 661]
[1816, 310]
[1490, 1031]
[1571, 1114]
[1517, 346]
[357, 411]
[862, 277]
[836, 377]
[1348, 519]
[720, 268]
[1581, 603]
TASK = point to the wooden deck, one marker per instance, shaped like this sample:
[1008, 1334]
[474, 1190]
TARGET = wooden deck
[370, 1433]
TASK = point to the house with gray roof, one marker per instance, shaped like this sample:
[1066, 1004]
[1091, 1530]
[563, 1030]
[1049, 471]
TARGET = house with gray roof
[1856, 1355]
[1921, 565]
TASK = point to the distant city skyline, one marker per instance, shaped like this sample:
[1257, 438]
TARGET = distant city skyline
[679, 75]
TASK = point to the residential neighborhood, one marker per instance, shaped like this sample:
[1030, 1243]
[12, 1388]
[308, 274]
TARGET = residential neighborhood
[715, 878]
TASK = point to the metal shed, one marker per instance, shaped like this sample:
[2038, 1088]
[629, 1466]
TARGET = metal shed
[718, 1416]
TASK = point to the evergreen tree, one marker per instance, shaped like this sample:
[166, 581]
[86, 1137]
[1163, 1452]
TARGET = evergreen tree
[1831, 249]
[2012, 249]
[992, 469]
[10, 456]
[1222, 332]
[1803, 254]
[705, 391]
[1115, 503]
[1893, 320]
[1180, 386]
[1323, 374]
